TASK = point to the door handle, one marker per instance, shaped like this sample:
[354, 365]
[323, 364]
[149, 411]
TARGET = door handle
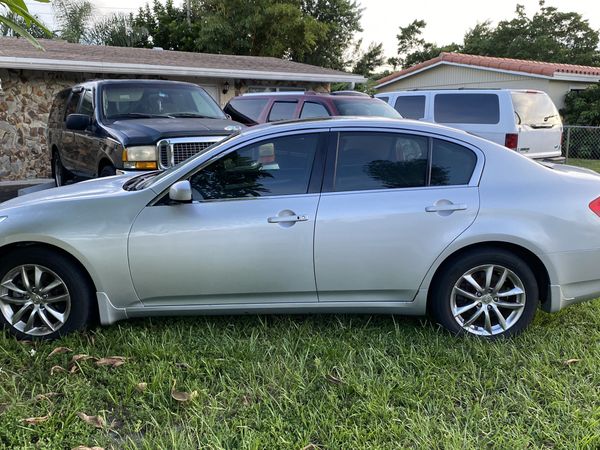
[450, 207]
[284, 219]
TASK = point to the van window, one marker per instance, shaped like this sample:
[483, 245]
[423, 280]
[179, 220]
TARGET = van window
[451, 164]
[535, 109]
[467, 108]
[411, 106]
[282, 111]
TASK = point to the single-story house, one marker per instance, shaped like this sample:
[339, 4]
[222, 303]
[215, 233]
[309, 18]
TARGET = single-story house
[456, 70]
[30, 78]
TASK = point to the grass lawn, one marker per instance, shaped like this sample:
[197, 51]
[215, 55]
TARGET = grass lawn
[593, 164]
[336, 382]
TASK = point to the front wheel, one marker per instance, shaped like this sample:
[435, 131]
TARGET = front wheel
[61, 174]
[487, 293]
[43, 294]
[107, 171]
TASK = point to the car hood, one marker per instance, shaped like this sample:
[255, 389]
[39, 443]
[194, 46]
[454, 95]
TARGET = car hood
[101, 187]
[149, 131]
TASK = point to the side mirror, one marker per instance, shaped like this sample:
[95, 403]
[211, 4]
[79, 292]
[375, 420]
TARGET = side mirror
[181, 192]
[78, 122]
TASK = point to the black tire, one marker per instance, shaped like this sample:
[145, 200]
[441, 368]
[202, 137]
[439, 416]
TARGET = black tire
[107, 171]
[59, 172]
[442, 303]
[81, 304]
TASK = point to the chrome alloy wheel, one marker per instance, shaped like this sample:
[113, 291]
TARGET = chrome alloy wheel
[488, 300]
[34, 300]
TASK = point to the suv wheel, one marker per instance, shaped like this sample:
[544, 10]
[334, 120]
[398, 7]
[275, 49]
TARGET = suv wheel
[489, 293]
[61, 175]
[43, 295]
[107, 171]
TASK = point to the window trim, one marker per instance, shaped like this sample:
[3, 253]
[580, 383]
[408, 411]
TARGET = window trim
[331, 162]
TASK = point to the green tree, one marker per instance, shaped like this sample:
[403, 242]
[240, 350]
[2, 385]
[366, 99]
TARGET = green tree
[15, 19]
[73, 18]
[582, 107]
[117, 30]
[549, 35]
[365, 62]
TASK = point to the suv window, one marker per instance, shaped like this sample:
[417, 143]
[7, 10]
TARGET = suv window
[246, 111]
[467, 108]
[279, 166]
[312, 109]
[282, 111]
[73, 102]
[411, 106]
[87, 105]
[380, 161]
[451, 164]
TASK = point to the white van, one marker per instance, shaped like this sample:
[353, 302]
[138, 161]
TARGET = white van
[523, 120]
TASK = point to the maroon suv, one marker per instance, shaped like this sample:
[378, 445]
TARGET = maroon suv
[252, 109]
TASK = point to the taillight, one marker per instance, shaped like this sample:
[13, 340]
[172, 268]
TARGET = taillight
[511, 141]
[595, 206]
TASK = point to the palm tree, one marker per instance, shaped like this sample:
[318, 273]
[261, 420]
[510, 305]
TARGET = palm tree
[12, 15]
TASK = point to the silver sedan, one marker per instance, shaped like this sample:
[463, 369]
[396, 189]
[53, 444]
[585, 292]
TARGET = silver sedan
[340, 215]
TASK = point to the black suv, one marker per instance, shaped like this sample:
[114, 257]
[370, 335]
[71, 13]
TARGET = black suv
[100, 127]
[252, 109]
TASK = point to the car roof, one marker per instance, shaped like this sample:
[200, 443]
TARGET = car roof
[298, 95]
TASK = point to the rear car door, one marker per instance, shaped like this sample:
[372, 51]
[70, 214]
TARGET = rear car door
[391, 203]
[247, 237]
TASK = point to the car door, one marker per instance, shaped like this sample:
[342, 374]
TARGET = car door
[87, 144]
[68, 147]
[394, 201]
[247, 236]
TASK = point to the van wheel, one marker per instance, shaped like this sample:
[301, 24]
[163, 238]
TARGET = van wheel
[61, 175]
[489, 293]
[43, 295]
[107, 171]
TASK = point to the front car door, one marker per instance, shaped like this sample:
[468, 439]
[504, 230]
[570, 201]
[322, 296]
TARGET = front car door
[68, 146]
[394, 202]
[247, 236]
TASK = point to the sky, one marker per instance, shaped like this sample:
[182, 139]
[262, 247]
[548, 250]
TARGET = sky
[447, 21]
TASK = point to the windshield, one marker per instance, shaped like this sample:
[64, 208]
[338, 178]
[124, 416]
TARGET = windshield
[535, 109]
[365, 107]
[144, 100]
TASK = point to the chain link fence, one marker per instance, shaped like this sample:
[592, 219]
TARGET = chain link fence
[581, 143]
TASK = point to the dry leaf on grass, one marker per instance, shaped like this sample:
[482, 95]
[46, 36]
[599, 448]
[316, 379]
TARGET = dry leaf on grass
[141, 387]
[57, 369]
[333, 379]
[74, 368]
[47, 396]
[81, 357]
[59, 350]
[112, 361]
[311, 447]
[182, 365]
[570, 362]
[183, 396]
[96, 421]
[83, 447]
[35, 420]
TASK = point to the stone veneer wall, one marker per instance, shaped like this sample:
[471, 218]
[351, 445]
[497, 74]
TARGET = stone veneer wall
[25, 102]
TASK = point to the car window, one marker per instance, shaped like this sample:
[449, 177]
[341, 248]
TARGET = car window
[380, 161]
[279, 166]
[87, 105]
[282, 111]
[411, 106]
[372, 107]
[72, 104]
[312, 109]
[451, 164]
[467, 108]
[384, 99]
[247, 110]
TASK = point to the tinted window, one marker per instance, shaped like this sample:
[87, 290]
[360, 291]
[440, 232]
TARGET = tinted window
[467, 108]
[246, 111]
[282, 111]
[87, 106]
[451, 164]
[365, 107]
[311, 109]
[411, 106]
[73, 102]
[535, 109]
[380, 161]
[278, 166]
[384, 99]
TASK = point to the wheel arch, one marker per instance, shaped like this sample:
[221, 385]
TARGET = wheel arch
[537, 265]
[6, 249]
[104, 162]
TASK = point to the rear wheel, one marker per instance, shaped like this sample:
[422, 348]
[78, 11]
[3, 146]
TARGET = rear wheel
[43, 295]
[61, 175]
[487, 293]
